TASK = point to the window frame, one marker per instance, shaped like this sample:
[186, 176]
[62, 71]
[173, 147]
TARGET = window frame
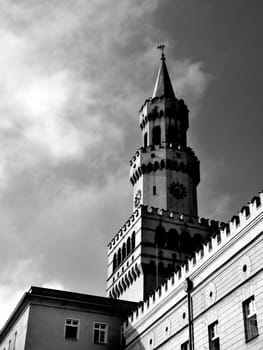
[74, 326]
[247, 317]
[213, 336]
[100, 330]
[185, 344]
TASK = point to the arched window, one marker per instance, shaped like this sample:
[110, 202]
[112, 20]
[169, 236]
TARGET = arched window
[160, 269]
[114, 263]
[173, 240]
[119, 256]
[156, 135]
[133, 241]
[171, 137]
[123, 251]
[128, 246]
[170, 269]
[152, 268]
[160, 236]
[197, 241]
[186, 242]
[145, 140]
[120, 288]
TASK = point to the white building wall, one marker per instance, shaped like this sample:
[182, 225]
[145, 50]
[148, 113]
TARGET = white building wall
[221, 285]
[20, 328]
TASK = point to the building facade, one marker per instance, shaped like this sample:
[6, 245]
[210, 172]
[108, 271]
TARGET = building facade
[175, 281]
[215, 300]
[50, 319]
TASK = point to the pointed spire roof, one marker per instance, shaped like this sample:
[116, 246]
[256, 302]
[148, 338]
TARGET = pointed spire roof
[163, 85]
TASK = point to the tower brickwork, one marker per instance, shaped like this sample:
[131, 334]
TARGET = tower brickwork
[149, 247]
[164, 229]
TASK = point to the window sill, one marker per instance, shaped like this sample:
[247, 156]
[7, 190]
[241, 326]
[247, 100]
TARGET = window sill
[250, 339]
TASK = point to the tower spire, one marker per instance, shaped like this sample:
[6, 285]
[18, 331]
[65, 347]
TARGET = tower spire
[163, 86]
[162, 47]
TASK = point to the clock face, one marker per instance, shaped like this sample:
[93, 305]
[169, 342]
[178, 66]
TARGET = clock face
[137, 198]
[177, 190]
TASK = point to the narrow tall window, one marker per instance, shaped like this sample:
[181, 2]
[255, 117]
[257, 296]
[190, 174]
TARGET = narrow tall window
[154, 190]
[213, 336]
[250, 318]
[123, 250]
[128, 246]
[171, 134]
[9, 345]
[100, 333]
[71, 328]
[119, 257]
[114, 262]
[185, 345]
[133, 241]
[156, 135]
[160, 236]
[173, 239]
[14, 343]
[145, 140]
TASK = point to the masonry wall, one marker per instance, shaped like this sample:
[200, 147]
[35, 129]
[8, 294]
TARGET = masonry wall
[230, 272]
[224, 306]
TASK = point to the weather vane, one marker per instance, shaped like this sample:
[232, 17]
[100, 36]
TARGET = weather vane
[161, 47]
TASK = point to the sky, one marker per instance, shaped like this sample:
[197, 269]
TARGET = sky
[73, 75]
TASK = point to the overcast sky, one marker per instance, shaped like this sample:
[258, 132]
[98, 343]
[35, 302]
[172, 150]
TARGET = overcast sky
[73, 75]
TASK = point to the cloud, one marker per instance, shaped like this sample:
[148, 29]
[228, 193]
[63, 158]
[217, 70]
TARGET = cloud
[190, 82]
[214, 204]
[14, 284]
[53, 284]
[73, 76]
[64, 236]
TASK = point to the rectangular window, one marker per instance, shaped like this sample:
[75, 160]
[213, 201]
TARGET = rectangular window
[154, 190]
[100, 333]
[14, 344]
[213, 336]
[250, 318]
[185, 345]
[71, 328]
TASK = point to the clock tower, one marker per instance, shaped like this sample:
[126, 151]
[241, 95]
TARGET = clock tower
[164, 229]
[165, 172]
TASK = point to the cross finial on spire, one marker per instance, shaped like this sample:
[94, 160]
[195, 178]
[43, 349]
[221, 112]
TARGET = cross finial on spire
[161, 47]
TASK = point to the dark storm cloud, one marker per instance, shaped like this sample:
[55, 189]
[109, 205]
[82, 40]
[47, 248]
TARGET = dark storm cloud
[73, 76]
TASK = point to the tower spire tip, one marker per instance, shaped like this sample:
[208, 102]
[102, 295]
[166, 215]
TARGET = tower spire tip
[162, 47]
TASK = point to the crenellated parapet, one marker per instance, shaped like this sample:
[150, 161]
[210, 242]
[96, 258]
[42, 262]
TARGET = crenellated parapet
[173, 146]
[123, 230]
[239, 227]
[181, 218]
[152, 158]
[132, 252]
[165, 214]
